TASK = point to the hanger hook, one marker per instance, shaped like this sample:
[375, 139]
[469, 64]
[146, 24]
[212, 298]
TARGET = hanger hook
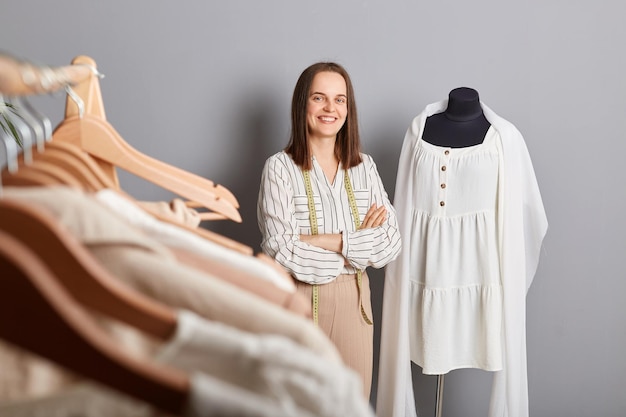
[41, 124]
[38, 124]
[93, 69]
[79, 101]
[24, 125]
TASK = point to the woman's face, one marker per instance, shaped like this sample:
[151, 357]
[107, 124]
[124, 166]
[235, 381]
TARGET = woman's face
[327, 105]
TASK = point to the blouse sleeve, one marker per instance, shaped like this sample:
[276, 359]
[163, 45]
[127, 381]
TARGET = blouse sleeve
[377, 246]
[281, 237]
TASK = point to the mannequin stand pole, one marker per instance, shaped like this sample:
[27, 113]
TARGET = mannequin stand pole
[439, 404]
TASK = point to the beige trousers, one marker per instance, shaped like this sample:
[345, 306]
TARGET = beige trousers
[340, 318]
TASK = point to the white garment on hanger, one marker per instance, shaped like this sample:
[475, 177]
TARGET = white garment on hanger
[233, 373]
[295, 379]
[170, 234]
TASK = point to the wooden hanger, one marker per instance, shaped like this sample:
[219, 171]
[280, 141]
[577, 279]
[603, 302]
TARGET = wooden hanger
[19, 79]
[91, 132]
[78, 166]
[35, 167]
[84, 169]
[40, 316]
[82, 275]
[59, 154]
[40, 173]
[86, 178]
[72, 157]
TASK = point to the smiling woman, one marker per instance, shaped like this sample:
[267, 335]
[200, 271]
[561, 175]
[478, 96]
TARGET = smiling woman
[324, 214]
[327, 109]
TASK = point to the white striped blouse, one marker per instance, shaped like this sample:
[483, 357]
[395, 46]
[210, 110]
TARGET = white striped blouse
[283, 214]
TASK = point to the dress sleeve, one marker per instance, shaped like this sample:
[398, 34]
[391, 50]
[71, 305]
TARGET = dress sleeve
[377, 246]
[281, 236]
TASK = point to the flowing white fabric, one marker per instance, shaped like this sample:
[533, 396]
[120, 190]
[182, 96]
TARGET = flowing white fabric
[521, 226]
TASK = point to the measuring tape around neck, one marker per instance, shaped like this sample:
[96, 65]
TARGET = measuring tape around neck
[314, 231]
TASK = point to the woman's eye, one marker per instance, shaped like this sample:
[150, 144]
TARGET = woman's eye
[317, 98]
[341, 100]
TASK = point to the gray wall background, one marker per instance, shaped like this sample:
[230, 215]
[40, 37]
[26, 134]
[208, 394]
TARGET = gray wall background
[206, 86]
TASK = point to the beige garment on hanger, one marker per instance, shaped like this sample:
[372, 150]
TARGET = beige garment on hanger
[289, 300]
[216, 256]
[175, 210]
[154, 270]
[252, 375]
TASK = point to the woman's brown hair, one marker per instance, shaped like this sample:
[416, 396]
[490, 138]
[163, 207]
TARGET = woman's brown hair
[348, 143]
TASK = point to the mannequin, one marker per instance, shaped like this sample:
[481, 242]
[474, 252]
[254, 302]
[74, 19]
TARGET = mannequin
[472, 223]
[462, 124]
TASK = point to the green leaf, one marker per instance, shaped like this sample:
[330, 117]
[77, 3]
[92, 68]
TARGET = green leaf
[8, 126]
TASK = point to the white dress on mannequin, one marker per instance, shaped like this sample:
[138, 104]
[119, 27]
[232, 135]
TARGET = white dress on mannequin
[503, 222]
[455, 292]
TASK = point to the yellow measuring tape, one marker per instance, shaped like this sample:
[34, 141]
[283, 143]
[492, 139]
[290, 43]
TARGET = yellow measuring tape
[314, 231]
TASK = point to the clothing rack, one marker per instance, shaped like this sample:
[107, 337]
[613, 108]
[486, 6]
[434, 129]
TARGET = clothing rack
[21, 78]
[150, 285]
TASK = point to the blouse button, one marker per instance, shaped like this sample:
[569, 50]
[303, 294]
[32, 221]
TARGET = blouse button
[447, 152]
[443, 168]
[442, 203]
[443, 185]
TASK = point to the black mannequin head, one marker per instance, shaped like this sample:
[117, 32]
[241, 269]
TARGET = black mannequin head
[462, 124]
[463, 105]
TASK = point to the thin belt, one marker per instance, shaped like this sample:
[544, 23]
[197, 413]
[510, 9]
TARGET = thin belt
[314, 231]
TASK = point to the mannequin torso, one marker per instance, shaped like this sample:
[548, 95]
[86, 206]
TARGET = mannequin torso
[462, 124]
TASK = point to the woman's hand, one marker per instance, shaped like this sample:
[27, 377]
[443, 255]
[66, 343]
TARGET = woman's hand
[374, 217]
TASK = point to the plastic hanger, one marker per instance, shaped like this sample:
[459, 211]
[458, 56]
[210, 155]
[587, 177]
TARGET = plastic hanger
[9, 172]
[89, 130]
[29, 173]
[10, 148]
[40, 316]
